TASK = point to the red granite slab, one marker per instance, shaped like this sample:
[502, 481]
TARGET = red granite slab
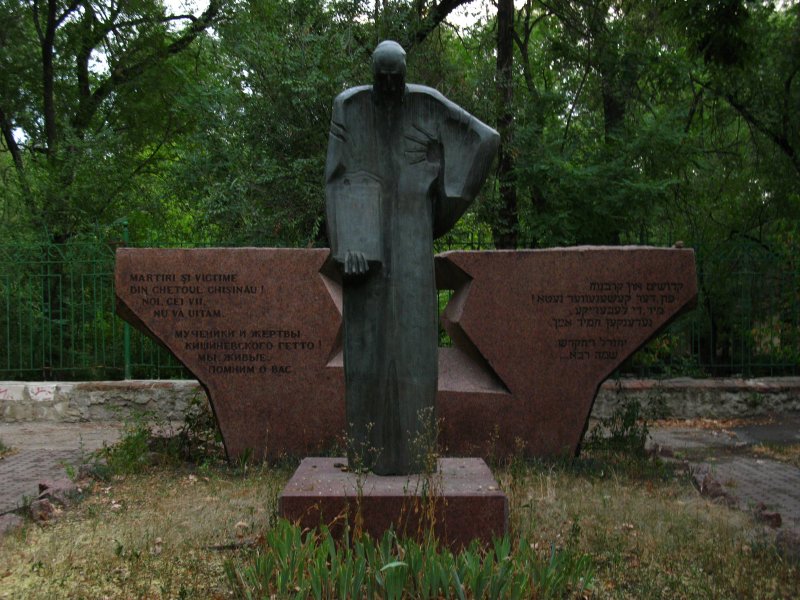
[257, 327]
[461, 500]
[536, 333]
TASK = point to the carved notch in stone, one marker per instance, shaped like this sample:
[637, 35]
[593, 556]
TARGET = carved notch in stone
[552, 325]
[257, 327]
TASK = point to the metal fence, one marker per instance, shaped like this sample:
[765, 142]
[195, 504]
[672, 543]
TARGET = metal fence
[58, 320]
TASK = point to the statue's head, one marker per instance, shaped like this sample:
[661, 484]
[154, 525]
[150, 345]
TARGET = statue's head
[389, 69]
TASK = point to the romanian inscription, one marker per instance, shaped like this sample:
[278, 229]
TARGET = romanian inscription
[201, 299]
[186, 295]
[595, 323]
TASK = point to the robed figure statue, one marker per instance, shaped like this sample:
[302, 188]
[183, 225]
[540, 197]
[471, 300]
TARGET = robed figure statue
[403, 165]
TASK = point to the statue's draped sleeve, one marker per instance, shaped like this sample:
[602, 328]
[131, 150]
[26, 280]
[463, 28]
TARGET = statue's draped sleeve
[334, 169]
[352, 192]
[469, 146]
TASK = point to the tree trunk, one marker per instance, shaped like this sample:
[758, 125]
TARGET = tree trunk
[506, 225]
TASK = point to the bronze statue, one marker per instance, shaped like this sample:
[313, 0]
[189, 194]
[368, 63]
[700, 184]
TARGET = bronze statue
[403, 165]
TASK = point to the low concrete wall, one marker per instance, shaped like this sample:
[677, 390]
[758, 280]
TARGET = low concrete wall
[72, 402]
[168, 400]
[686, 398]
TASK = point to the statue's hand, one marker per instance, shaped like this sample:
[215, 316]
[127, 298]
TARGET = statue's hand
[355, 263]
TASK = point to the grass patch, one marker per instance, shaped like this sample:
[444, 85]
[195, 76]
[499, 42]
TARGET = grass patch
[631, 526]
[644, 530]
[787, 453]
[149, 535]
[648, 532]
[146, 441]
[625, 431]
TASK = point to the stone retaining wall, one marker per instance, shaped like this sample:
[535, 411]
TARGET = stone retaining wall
[72, 402]
[116, 400]
[686, 398]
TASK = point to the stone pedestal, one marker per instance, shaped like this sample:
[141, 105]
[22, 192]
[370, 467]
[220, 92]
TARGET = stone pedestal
[461, 501]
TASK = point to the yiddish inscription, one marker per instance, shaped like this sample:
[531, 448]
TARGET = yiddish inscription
[596, 322]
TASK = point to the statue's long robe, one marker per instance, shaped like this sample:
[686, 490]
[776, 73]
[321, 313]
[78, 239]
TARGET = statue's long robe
[397, 176]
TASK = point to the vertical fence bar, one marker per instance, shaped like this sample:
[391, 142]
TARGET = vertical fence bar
[126, 328]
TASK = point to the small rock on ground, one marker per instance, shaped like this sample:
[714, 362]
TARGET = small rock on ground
[58, 491]
[43, 511]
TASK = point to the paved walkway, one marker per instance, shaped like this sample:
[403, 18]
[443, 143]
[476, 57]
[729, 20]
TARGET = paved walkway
[44, 448]
[42, 452]
[748, 478]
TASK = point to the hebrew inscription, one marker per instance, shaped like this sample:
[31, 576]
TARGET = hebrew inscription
[551, 325]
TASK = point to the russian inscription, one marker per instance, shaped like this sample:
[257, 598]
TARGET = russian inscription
[232, 316]
[218, 351]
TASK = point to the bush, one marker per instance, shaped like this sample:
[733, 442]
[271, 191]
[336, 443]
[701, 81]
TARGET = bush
[131, 453]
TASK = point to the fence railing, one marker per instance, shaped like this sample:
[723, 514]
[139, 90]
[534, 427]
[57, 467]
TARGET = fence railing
[58, 321]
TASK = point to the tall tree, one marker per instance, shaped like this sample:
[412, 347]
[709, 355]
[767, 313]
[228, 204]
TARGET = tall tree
[86, 97]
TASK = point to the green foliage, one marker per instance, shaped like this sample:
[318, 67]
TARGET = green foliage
[58, 302]
[199, 437]
[667, 355]
[633, 123]
[90, 104]
[256, 166]
[146, 441]
[293, 563]
[624, 431]
[131, 454]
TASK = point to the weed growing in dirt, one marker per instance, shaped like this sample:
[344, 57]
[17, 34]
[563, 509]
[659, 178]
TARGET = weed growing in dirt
[131, 453]
[199, 437]
[624, 431]
[788, 453]
[148, 441]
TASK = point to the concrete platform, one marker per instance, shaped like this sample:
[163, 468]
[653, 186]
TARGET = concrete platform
[461, 501]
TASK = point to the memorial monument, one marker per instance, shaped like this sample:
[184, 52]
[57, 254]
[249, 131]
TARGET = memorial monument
[403, 165]
[535, 332]
[279, 337]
